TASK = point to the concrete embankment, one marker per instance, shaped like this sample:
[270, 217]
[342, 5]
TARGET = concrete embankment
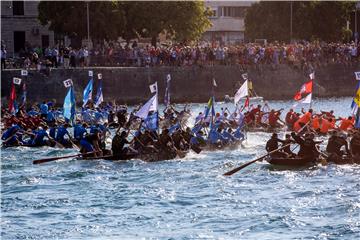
[188, 84]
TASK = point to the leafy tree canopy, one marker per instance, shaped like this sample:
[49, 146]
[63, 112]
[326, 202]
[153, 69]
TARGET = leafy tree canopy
[183, 20]
[323, 20]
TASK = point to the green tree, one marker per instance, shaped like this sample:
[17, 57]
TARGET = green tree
[183, 20]
[311, 19]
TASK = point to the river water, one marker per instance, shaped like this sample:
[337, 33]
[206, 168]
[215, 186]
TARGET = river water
[179, 199]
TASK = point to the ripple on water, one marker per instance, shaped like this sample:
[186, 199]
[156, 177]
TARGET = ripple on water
[180, 199]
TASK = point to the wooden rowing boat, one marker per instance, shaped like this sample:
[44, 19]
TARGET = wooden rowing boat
[147, 157]
[291, 162]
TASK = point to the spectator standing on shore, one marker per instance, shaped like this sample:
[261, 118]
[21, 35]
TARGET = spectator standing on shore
[3, 57]
[72, 55]
[66, 57]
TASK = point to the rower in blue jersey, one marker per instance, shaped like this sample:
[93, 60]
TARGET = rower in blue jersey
[39, 137]
[44, 108]
[98, 116]
[238, 134]
[60, 135]
[79, 131]
[52, 131]
[90, 144]
[32, 112]
[10, 137]
[50, 118]
[228, 135]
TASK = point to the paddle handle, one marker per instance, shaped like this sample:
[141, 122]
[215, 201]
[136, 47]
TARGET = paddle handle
[39, 161]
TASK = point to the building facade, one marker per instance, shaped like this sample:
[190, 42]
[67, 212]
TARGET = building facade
[20, 28]
[228, 24]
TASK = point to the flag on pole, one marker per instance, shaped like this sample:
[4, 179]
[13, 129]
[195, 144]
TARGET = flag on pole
[214, 83]
[354, 106]
[357, 119]
[306, 88]
[312, 76]
[87, 94]
[209, 107]
[357, 75]
[151, 122]
[242, 92]
[245, 76]
[150, 105]
[23, 97]
[167, 91]
[17, 81]
[12, 99]
[69, 105]
[153, 88]
[68, 83]
[99, 98]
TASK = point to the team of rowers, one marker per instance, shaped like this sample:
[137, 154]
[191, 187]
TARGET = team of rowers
[44, 126]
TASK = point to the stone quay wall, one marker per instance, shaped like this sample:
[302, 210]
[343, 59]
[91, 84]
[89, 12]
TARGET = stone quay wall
[188, 84]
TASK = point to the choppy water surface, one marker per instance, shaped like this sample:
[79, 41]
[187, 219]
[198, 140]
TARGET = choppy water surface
[179, 199]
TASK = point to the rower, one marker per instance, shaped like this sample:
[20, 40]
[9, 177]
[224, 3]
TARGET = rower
[272, 144]
[335, 143]
[79, 131]
[290, 119]
[9, 136]
[303, 120]
[89, 144]
[287, 149]
[39, 137]
[307, 144]
[61, 132]
[118, 144]
[355, 145]
[346, 124]
[274, 118]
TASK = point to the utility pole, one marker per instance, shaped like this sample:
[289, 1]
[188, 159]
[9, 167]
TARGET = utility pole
[291, 20]
[88, 25]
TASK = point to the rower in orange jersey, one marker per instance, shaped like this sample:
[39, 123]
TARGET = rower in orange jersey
[303, 120]
[346, 124]
[324, 125]
[316, 123]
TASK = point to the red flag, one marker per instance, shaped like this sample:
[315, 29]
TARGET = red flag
[12, 98]
[247, 101]
[306, 88]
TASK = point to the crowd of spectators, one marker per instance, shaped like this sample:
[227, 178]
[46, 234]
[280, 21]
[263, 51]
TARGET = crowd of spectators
[133, 55]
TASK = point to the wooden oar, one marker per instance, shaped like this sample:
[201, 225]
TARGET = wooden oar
[229, 173]
[39, 161]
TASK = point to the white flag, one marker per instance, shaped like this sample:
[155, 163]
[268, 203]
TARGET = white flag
[357, 75]
[68, 83]
[91, 73]
[99, 76]
[245, 76]
[306, 99]
[24, 72]
[242, 92]
[17, 81]
[153, 87]
[150, 105]
[168, 77]
[312, 75]
[214, 83]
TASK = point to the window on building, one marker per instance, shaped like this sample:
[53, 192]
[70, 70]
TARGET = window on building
[213, 13]
[237, 12]
[18, 7]
[19, 41]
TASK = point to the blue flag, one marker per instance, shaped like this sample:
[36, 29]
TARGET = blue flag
[69, 105]
[167, 91]
[99, 98]
[173, 128]
[23, 97]
[357, 119]
[151, 122]
[88, 92]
